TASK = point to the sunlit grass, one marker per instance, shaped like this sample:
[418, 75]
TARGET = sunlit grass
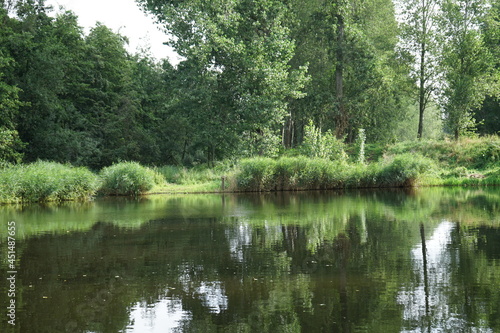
[46, 181]
[129, 178]
[301, 173]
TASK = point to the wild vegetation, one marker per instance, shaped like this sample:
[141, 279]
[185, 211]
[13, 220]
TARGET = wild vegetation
[270, 94]
[468, 162]
[128, 178]
[46, 181]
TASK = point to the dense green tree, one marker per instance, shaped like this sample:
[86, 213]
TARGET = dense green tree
[243, 48]
[487, 117]
[357, 82]
[47, 53]
[466, 62]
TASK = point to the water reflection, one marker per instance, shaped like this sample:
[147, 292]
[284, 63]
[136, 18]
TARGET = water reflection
[426, 301]
[298, 262]
[164, 316]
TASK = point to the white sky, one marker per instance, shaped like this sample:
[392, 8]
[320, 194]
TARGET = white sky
[123, 16]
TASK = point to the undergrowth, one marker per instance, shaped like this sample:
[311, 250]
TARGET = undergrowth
[128, 178]
[46, 181]
[301, 173]
[467, 162]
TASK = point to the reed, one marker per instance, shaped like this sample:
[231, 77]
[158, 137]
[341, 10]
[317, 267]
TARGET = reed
[129, 178]
[302, 173]
[46, 181]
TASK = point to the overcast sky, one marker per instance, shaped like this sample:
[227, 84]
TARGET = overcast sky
[123, 16]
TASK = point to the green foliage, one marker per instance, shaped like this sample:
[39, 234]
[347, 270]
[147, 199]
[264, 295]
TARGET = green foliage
[240, 81]
[467, 63]
[10, 146]
[302, 173]
[256, 174]
[360, 145]
[257, 76]
[404, 170]
[128, 178]
[322, 145]
[46, 181]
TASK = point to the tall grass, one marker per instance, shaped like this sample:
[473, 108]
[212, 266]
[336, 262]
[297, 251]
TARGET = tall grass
[301, 173]
[129, 178]
[184, 176]
[46, 181]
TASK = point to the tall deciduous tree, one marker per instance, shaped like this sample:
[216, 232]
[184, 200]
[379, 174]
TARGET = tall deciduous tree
[246, 48]
[356, 79]
[10, 144]
[466, 62]
[419, 40]
[487, 117]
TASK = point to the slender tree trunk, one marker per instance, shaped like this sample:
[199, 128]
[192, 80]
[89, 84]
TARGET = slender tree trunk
[287, 132]
[341, 118]
[421, 93]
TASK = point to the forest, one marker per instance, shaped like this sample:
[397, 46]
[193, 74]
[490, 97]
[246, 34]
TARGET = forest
[263, 78]
[254, 75]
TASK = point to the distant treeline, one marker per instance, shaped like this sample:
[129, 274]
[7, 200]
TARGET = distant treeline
[255, 75]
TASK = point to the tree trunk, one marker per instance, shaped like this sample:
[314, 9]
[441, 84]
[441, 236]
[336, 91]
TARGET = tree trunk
[287, 132]
[341, 117]
[421, 93]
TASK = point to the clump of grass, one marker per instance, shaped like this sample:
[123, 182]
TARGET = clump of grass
[256, 174]
[46, 181]
[129, 178]
[302, 173]
[198, 175]
[404, 170]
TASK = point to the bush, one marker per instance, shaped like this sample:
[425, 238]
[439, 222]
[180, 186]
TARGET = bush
[46, 181]
[404, 170]
[289, 173]
[128, 178]
[257, 174]
[322, 145]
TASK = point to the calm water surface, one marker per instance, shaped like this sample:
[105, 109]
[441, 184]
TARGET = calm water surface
[377, 261]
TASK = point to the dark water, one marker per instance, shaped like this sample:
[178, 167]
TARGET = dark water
[384, 261]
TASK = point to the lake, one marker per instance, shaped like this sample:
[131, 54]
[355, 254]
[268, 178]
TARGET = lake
[424, 260]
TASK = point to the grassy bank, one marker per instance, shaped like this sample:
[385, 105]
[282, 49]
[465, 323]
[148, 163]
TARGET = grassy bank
[46, 181]
[470, 162]
[301, 173]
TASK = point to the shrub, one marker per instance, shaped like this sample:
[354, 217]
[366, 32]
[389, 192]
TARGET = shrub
[322, 145]
[46, 181]
[302, 173]
[128, 178]
[404, 170]
[256, 174]
[287, 172]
